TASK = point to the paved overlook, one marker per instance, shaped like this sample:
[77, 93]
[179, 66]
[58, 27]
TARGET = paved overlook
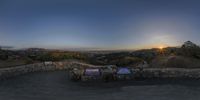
[51, 82]
[57, 86]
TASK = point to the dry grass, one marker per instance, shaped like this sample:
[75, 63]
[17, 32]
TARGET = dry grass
[175, 62]
[11, 63]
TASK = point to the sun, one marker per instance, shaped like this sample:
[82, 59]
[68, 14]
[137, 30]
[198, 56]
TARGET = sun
[161, 47]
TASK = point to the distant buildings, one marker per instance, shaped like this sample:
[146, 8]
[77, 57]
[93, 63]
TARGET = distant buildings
[5, 47]
[35, 49]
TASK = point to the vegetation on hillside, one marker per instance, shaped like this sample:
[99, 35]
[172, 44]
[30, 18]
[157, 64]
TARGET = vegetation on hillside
[119, 59]
[12, 58]
[185, 56]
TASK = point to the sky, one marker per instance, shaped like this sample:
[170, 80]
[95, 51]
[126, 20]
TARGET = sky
[98, 24]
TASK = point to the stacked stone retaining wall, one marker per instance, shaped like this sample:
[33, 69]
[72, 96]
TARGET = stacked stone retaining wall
[145, 73]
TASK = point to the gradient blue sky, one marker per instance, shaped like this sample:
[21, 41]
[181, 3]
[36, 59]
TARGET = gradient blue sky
[99, 24]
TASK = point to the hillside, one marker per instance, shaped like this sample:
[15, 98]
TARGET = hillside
[185, 56]
[175, 62]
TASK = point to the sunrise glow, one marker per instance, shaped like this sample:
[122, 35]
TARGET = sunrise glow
[161, 47]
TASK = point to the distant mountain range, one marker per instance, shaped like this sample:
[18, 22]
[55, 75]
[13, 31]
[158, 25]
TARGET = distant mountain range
[95, 50]
[6, 47]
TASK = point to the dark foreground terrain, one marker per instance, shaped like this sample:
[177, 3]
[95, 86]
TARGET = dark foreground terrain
[56, 86]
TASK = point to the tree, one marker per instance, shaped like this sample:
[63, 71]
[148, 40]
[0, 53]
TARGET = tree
[190, 49]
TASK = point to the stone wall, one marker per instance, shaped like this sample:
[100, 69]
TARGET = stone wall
[38, 67]
[168, 73]
[145, 73]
